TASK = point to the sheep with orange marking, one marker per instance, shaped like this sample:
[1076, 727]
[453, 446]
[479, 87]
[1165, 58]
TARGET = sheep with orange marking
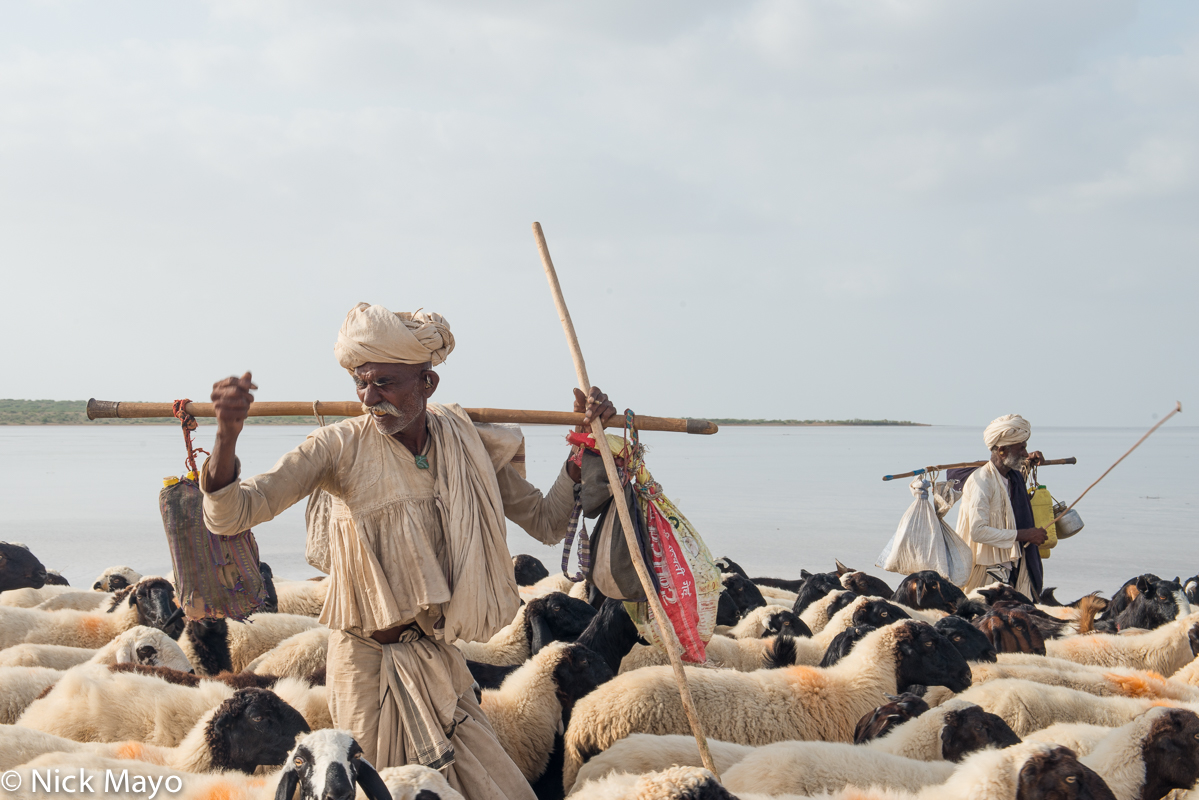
[150, 602]
[252, 728]
[806, 703]
[1164, 650]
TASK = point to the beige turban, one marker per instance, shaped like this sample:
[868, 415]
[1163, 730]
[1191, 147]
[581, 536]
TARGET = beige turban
[372, 333]
[1009, 429]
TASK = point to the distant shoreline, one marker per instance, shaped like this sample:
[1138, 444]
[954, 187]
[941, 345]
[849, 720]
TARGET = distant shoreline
[818, 423]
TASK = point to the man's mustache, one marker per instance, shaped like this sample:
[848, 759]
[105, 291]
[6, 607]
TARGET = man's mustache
[383, 408]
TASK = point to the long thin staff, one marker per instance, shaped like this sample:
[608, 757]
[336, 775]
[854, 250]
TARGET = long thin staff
[1177, 408]
[665, 630]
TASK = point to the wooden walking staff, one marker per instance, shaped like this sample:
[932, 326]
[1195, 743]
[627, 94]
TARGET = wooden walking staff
[940, 467]
[665, 629]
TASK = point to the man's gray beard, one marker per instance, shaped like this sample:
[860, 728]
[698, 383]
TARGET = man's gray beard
[394, 420]
[1013, 461]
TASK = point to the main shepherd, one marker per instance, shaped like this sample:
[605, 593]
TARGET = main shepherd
[418, 557]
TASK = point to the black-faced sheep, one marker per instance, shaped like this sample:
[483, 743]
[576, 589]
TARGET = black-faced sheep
[814, 587]
[743, 655]
[1151, 756]
[114, 579]
[769, 620]
[882, 720]
[843, 643]
[221, 645]
[928, 590]
[972, 643]
[528, 570]
[738, 598]
[948, 732]
[250, 729]
[1011, 631]
[818, 613]
[534, 704]
[150, 602]
[20, 568]
[863, 584]
[768, 705]
[1155, 604]
[552, 618]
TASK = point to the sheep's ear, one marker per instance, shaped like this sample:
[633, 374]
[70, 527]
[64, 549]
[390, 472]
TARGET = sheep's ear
[804, 574]
[288, 782]
[539, 633]
[920, 591]
[372, 785]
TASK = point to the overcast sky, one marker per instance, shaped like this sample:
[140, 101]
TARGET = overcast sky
[916, 209]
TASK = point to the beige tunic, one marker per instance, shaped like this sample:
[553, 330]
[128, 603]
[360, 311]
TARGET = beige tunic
[411, 545]
[987, 523]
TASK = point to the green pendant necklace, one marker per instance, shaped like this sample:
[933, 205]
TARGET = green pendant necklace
[422, 462]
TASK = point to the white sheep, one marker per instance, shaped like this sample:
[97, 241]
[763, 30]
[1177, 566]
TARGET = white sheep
[86, 628]
[765, 706]
[810, 767]
[1081, 737]
[116, 578]
[28, 598]
[326, 765]
[253, 727]
[76, 601]
[772, 594]
[1188, 674]
[297, 656]
[91, 703]
[1164, 650]
[646, 752]
[1028, 706]
[1101, 681]
[21, 685]
[509, 646]
[673, 783]
[550, 583]
[754, 624]
[305, 598]
[51, 656]
[725, 652]
[1150, 756]
[244, 641]
[816, 615]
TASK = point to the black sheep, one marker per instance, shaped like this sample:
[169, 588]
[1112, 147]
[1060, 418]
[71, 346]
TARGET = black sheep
[1012, 631]
[528, 570]
[611, 633]
[737, 599]
[843, 643]
[19, 568]
[882, 720]
[972, 643]
[555, 617]
[252, 728]
[270, 605]
[1154, 604]
[928, 589]
[1171, 753]
[967, 730]
[156, 607]
[878, 612]
[726, 564]
[814, 587]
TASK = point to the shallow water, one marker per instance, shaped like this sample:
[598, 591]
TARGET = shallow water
[773, 499]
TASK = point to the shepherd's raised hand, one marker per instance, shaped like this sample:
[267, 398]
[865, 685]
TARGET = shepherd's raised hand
[231, 400]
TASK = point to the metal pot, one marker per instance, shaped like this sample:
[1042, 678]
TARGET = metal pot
[1069, 525]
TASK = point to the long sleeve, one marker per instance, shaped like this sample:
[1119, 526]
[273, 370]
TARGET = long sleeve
[544, 518]
[976, 510]
[245, 503]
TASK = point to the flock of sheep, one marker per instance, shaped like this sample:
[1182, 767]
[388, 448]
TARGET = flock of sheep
[832, 685]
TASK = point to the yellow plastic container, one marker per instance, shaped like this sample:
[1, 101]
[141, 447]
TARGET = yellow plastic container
[1042, 515]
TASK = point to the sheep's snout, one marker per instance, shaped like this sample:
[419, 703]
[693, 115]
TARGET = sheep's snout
[337, 784]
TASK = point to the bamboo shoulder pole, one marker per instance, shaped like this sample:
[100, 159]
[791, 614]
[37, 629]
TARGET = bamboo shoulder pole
[108, 409]
[665, 630]
[1051, 462]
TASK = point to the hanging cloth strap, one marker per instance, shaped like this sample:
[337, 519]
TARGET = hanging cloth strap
[577, 526]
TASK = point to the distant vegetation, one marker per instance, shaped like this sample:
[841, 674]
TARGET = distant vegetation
[816, 422]
[74, 412]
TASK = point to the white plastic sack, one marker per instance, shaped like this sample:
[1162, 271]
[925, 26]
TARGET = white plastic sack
[923, 541]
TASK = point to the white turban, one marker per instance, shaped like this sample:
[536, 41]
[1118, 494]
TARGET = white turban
[1008, 429]
[372, 333]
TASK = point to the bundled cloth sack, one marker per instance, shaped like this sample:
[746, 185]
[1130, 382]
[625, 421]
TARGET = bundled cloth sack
[924, 540]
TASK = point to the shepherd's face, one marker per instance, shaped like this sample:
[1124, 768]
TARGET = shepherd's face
[394, 394]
